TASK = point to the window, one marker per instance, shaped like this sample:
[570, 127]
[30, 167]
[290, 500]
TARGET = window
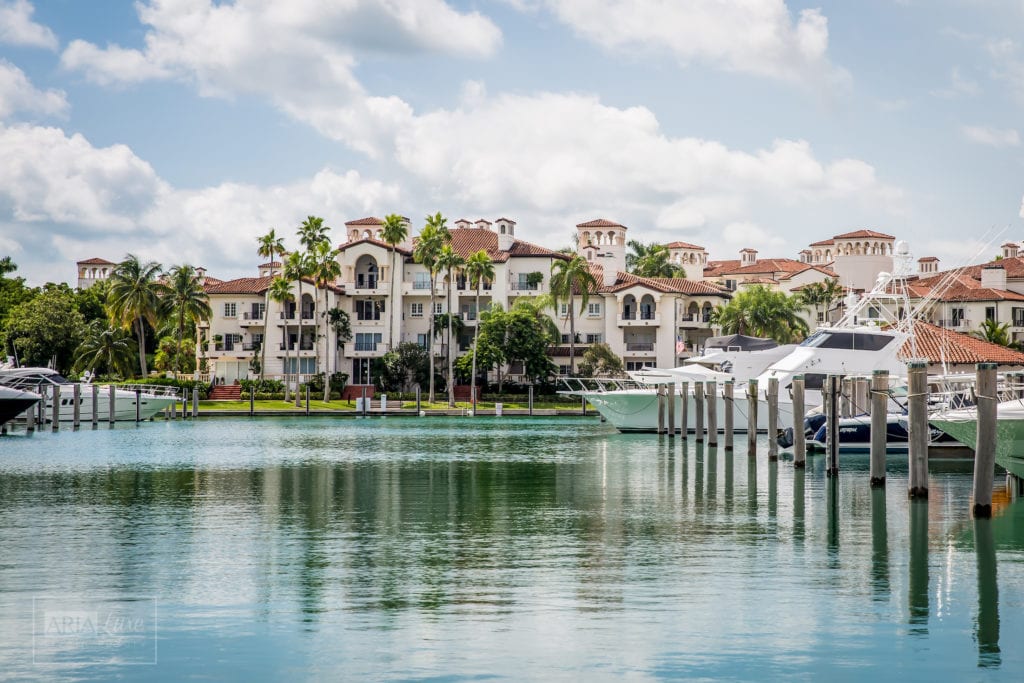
[257, 338]
[302, 366]
[826, 339]
[730, 285]
[563, 310]
[438, 308]
[563, 370]
[594, 338]
[422, 340]
[416, 310]
[230, 310]
[369, 309]
[956, 316]
[633, 365]
[367, 341]
[565, 339]
[421, 281]
[1018, 317]
[990, 313]
[593, 308]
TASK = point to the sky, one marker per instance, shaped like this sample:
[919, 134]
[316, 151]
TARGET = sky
[181, 130]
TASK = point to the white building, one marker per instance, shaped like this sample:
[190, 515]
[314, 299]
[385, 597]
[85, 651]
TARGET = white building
[93, 270]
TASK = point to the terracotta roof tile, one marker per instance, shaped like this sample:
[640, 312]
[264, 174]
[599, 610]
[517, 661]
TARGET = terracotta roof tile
[940, 345]
[715, 268]
[823, 243]
[272, 264]
[927, 259]
[379, 243]
[769, 265]
[683, 245]
[600, 223]
[661, 284]
[861, 234]
[251, 285]
[370, 220]
[758, 281]
[96, 262]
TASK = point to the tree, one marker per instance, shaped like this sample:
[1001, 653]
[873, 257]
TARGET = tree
[313, 234]
[186, 302]
[433, 236]
[134, 298]
[479, 268]
[177, 355]
[326, 271]
[450, 261]
[813, 296]
[105, 350]
[405, 366]
[296, 268]
[529, 332]
[12, 289]
[651, 261]
[994, 332]
[762, 312]
[281, 291]
[395, 231]
[569, 279]
[270, 246]
[46, 329]
[599, 360]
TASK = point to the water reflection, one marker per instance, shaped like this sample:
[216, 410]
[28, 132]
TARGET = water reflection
[799, 475]
[832, 506]
[917, 592]
[752, 486]
[986, 630]
[773, 488]
[712, 465]
[729, 481]
[879, 545]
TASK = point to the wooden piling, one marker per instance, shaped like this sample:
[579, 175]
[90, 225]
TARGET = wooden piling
[833, 387]
[799, 439]
[95, 405]
[729, 405]
[917, 376]
[752, 418]
[418, 400]
[138, 405]
[684, 409]
[195, 402]
[252, 401]
[30, 417]
[56, 408]
[698, 409]
[879, 402]
[111, 404]
[985, 452]
[670, 396]
[711, 394]
[307, 401]
[862, 395]
[773, 418]
[529, 397]
[845, 391]
[660, 391]
[76, 410]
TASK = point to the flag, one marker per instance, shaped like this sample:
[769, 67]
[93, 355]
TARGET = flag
[680, 345]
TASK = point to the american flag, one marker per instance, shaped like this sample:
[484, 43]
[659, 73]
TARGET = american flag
[680, 344]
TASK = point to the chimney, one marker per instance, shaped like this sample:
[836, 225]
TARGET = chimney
[748, 256]
[1010, 250]
[609, 275]
[993, 277]
[506, 229]
[462, 224]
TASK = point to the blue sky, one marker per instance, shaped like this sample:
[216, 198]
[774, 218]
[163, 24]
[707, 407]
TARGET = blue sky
[180, 130]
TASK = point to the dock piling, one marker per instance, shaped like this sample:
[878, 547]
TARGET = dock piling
[698, 409]
[799, 439]
[195, 402]
[985, 453]
[76, 413]
[529, 397]
[879, 399]
[917, 377]
[773, 418]
[710, 392]
[660, 391]
[728, 404]
[138, 405]
[95, 405]
[833, 386]
[252, 400]
[30, 418]
[111, 404]
[752, 418]
[684, 409]
[56, 408]
[670, 396]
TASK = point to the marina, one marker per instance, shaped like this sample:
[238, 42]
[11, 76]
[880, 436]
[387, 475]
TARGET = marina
[397, 548]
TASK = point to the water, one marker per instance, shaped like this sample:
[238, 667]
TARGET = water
[450, 549]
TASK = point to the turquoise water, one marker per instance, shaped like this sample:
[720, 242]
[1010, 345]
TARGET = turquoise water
[509, 548]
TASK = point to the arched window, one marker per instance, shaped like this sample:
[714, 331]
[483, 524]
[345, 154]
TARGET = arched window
[366, 272]
[629, 307]
[647, 307]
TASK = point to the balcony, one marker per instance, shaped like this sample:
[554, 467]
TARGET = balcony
[956, 324]
[640, 346]
[369, 286]
[304, 346]
[250, 319]
[639, 320]
[524, 287]
[695, 320]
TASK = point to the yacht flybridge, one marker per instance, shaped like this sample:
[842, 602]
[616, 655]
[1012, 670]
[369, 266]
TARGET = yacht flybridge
[142, 401]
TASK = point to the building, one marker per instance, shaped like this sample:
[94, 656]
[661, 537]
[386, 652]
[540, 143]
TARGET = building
[93, 270]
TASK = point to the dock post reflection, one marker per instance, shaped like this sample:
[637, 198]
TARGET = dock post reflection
[729, 481]
[917, 591]
[712, 465]
[879, 546]
[698, 473]
[799, 525]
[773, 487]
[832, 504]
[987, 626]
[752, 485]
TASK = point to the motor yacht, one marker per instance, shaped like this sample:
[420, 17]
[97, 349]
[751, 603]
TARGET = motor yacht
[14, 402]
[131, 402]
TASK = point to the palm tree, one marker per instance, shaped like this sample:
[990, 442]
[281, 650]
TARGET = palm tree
[651, 261]
[394, 232]
[450, 260]
[432, 237]
[134, 298]
[105, 347]
[7, 266]
[327, 270]
[479, 267]
[567, 279]
[762, 312]
[813, 296]
[313, 233]
[270, 245]
[831, 291]
[185, 301]
[280, 290]
[295, 268]
[994, 332]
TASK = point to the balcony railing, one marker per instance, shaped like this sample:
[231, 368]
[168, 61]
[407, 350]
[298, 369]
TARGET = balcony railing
[249, 315]
[639, 346]
[955, 323]
[366, 283]
[286, 315]
[517, 286]
[365, 346]
[304, 346]
[417, 284]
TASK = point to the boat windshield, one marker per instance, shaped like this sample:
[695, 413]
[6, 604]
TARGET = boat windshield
[861, 341]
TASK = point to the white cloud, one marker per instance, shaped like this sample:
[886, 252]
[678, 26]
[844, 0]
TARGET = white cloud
[18, 94]
[743, 234]
[301, 55]
[959, 86]
[1008, 66]
[752, 36]
[994, 137]
[61, 197]
[17, 27]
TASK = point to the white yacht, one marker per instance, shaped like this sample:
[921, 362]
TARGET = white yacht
[14, 402]
[150, 399]
[633, 407]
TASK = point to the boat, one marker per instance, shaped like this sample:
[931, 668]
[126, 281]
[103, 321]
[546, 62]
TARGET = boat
[962, 425]
[14, 402]
[632, 405]
[150, 400]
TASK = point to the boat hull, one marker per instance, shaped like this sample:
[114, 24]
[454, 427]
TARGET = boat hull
[124, 406]
[13, 404]
[1009, 437]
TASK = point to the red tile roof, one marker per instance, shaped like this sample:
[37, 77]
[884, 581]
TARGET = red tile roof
[758, 281]
[272, 264]
[96, 262]
[927, 259]
[823, 243]
[251, 285]
[468, 241]
[683, 245]
[769, 265]
[1010, 244]
[716, 268]
[379, 243]
[940, 345]
[860, 234]
[660, 284]
[600, 223]
[370, 220]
